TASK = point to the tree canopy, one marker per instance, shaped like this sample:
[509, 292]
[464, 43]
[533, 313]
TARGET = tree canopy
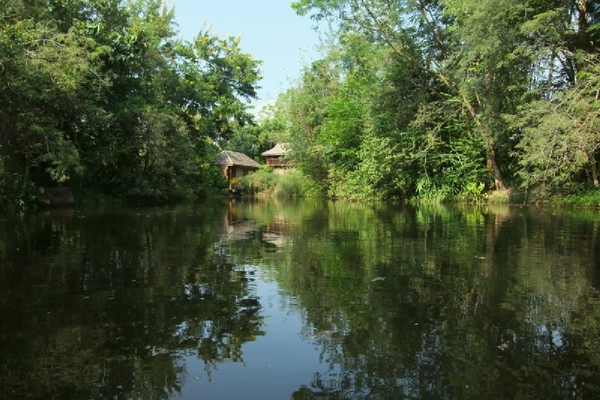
[441, 99]
[103, 96]
[429, 99]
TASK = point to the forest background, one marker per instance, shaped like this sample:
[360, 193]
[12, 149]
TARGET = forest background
[412, 99]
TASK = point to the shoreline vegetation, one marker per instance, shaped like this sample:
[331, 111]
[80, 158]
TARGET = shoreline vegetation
[428, 101]
[266, 184]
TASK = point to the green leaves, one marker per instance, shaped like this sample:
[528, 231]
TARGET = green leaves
[101, 94]
[561, 138]
[454, 87]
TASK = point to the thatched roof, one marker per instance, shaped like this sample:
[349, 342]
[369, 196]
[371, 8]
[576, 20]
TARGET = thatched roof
[278, 150]
[235, 159]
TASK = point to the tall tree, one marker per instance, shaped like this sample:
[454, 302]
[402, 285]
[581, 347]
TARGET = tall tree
[559, 127]
[401, 25]
[102, 94]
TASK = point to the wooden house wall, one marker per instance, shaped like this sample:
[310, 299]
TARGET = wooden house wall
[234, 171]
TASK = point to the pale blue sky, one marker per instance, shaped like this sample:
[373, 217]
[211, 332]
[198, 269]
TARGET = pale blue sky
[270, 31]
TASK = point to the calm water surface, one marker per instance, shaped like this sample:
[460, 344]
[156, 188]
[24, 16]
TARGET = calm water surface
[301, 300]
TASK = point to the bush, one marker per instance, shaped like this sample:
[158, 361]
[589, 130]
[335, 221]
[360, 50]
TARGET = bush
[88, 198]
[17, 192]
[214, 178]
[473, 193]
[292, 184]
[261, 181]
[586, 198]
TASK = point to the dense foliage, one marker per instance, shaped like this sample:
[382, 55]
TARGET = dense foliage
[291, 183]
[102, 96]
[444, 99]
[427, 99]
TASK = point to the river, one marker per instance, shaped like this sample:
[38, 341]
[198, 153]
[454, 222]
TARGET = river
[301, 299]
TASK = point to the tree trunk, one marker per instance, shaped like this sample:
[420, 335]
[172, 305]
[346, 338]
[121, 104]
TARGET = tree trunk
[492, 166]
[490, 153]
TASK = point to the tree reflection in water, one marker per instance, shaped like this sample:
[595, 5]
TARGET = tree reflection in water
[428, 302]
[109, 306]
[475, 302]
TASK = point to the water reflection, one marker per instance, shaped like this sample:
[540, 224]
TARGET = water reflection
[108, 305]
[301, 299]
[444, 302]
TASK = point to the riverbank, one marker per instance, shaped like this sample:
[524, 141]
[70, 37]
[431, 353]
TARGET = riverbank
[584, 198]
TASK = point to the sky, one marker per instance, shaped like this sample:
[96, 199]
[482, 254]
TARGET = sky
[270, 30]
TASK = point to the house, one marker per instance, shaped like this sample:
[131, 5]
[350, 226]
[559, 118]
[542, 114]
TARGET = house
[275, 157]
[234, 165]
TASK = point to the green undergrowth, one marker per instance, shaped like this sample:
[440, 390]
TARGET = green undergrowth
[586, 198]
[266, 182]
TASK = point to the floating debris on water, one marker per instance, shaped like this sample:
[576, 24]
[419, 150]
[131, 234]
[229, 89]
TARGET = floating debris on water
[315, 334]
[158, 350]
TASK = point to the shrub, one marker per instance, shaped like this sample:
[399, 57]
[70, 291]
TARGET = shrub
[586, 198]
[292, 184]
[17, 192]
[473, 193]
[262, 180]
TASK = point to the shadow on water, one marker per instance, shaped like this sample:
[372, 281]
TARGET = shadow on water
[431, 301]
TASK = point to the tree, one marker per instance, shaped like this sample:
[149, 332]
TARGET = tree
[400, 26]
[558, 127]
[101, 95]
[306, 109]
[561, 138]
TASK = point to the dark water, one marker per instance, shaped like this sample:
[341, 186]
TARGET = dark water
[301, 300]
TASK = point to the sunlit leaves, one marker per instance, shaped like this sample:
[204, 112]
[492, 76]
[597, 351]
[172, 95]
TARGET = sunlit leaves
[103, 94]
[562, 138]
[505, 71]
